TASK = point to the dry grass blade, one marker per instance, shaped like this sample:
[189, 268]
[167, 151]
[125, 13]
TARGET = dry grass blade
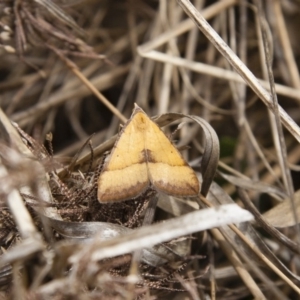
[216, 72]
[158, 233]
[248, 184]
[282, 151]
[251, 239]
[281, 215]
[239, 66]
[53, 9]
[268, 227]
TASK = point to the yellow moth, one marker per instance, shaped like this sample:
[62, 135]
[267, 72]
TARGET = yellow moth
[143, 157]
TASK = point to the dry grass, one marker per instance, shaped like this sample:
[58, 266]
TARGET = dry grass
[75, 69]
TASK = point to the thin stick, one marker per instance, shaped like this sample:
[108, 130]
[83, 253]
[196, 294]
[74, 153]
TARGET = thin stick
[286, 174]
[137, 255]
[238, 65]
[148, 219]
[286, 44]
[89, 85]
[257, 251]
[216, 72]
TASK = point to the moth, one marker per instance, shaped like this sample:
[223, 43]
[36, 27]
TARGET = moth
[141, 158]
